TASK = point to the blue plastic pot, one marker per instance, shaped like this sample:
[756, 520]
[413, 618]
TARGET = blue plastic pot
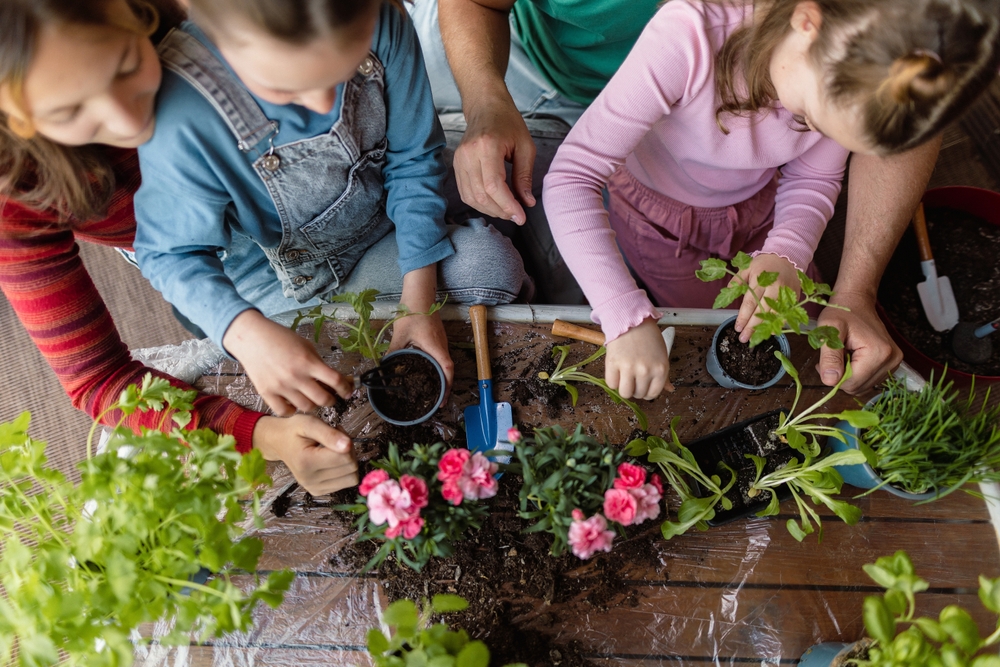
[829, 654]
[726, 380]
[386, 360]
[863, 475]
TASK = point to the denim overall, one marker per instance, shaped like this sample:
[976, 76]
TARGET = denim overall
[328, 190]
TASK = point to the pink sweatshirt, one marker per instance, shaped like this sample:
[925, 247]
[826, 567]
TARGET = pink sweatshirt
[657, 117]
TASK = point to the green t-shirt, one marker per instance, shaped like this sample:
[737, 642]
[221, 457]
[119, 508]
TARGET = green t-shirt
[579, 44]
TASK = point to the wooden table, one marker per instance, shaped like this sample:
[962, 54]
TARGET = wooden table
[742, 593]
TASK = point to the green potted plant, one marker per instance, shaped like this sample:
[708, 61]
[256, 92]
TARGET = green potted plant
[407, 386]
[926, 444]
[415, 641]
[84, 564]
[898, 638]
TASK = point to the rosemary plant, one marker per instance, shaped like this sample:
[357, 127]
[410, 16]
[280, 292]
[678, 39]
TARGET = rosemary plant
[564, 375]
[677, 464]
[933, 440]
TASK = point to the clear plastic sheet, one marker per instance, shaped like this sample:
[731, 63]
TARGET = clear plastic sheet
[741, 593]
[186, 361]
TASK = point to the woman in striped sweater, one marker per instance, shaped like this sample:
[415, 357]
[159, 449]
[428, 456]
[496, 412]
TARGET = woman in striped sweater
[77, 84]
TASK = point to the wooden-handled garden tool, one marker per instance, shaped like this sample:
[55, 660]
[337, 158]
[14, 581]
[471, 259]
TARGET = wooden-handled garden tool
[486, 424]
[568, 330]
[936, 294]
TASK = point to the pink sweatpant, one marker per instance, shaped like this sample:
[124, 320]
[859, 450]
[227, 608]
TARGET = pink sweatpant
[664, 240]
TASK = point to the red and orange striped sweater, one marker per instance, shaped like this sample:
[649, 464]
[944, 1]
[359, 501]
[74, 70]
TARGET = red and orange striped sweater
[44, 279]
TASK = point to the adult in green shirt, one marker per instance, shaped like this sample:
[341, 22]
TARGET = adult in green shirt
[546, 41]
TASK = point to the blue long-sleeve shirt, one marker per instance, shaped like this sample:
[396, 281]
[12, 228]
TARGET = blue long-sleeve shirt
[198, 187]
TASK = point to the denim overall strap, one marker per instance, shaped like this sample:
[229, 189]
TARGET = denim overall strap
[186, 56]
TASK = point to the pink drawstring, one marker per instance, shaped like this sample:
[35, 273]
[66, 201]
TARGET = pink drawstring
[685, 230]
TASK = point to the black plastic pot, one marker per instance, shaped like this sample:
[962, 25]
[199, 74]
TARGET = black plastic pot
[419, 380]
[730, 445]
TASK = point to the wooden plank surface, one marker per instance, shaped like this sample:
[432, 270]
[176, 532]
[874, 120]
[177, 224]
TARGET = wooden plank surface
[742, 593]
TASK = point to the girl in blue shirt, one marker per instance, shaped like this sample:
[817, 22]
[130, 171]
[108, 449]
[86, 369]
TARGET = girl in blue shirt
[298, 147]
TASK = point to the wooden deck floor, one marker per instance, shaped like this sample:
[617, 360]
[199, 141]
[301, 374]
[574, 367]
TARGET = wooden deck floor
[742, 593]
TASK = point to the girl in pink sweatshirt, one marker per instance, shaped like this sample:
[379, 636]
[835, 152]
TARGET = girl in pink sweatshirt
[728, 128]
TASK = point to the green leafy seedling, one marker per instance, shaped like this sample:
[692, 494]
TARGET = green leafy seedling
[564, 376]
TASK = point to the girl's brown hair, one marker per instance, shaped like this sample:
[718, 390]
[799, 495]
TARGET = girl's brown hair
[910, 66]
[77, 182]
[292, 21]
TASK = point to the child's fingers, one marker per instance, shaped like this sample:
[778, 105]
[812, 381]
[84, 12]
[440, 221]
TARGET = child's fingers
[278, 404]
[333, 484]
[745, 320]
[626, 386]
[612, 375]
[300, 401]
[332, 379]
[323, 434]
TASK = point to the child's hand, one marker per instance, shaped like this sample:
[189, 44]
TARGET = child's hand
[320, 456]
[788, 276]
[283, 366]
[638, 364]
[427, 333]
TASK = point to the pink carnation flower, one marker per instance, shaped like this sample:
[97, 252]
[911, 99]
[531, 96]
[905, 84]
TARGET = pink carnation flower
[657, 482]
[630, 476]
[410, 528]
[477, 481]
[417, 489]
[620, 505]
[371, 480]
[513, 435]
[451, 464]
[647, 501]
[452, 493]
[388, 503]
[588, 536]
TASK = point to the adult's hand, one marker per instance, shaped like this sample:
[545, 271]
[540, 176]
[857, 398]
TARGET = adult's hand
[284, 367]
[496, 134]
[873, 353]
[320, 457]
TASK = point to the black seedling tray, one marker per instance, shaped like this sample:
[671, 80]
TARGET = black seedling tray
[729, 446]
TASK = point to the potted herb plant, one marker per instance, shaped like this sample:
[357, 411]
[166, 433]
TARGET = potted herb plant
[898, 639]
[754, 365]
[579, 489]
[420, 503]
[415, 641]
[407, 386]
[926, 443]
[84, 564]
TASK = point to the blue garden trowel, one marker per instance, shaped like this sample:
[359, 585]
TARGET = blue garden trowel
[486, 424]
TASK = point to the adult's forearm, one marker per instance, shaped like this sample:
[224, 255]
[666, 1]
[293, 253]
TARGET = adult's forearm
[882, 195]
[476, 36]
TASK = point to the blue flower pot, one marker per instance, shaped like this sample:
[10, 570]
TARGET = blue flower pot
[863, 475]
[373, 396]
[829, 654]
[726, 380]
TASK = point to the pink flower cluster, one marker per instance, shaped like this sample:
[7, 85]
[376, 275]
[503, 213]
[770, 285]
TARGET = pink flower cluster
[466, 476]
[396, 503]
[632, 500]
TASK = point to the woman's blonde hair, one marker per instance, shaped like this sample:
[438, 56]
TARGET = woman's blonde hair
[292, 21]
[911, 66]
[76, 182]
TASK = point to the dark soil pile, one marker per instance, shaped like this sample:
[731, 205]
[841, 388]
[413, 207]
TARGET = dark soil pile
[528, 387]
[519, 595]
[749, 365]
[409, 388]
[965, 249]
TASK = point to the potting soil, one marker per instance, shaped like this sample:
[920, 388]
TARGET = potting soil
[965, 250]
[749, 365]
[412, 389]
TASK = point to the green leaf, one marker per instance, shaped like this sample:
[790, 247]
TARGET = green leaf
[986, 661]
[828, 336]
[444, 603]
[377, 642]
[767, 278]
[932, 629]
[741, 261]
[959, 625]
[989, 593]
[796, 440]
[807, 284]
[878, 621]
[473, 654]
[729, 294]
[637, 447]
[712, 269]
[860, 418]
[796, 530]
[403, 615]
